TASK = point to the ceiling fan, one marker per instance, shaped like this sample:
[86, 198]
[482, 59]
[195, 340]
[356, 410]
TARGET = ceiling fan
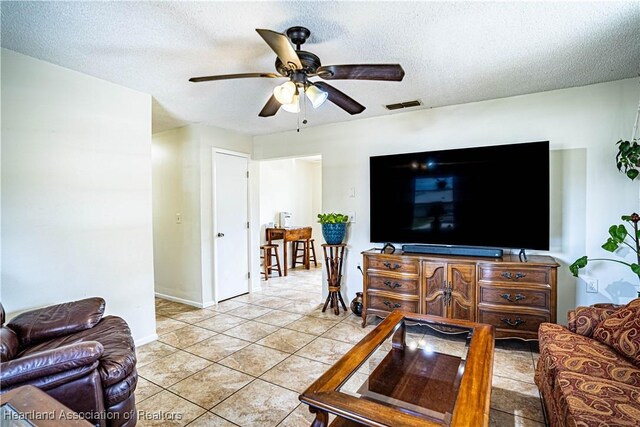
[299, 66]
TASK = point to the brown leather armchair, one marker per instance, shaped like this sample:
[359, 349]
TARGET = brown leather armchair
[73, 353]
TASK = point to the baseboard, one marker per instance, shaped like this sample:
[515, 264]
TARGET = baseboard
[208, 304]
[180, 300]
[146, 340]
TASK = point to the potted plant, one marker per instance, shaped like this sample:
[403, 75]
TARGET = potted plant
[334, 227]
[627, 162]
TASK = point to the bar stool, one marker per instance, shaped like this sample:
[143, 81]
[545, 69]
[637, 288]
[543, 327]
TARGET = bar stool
[267, 255]
[297, 248]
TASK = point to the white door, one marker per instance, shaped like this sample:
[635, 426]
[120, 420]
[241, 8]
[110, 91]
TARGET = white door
[231, 231]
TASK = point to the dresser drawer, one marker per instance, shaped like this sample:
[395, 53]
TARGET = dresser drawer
[398, 265]
[385, 303]
[513, 274]
[513, 320]
[515, 296]
[394, 284]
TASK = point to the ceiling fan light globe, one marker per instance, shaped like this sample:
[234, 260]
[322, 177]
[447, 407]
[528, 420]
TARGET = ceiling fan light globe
[292, 107]
[285, 92]
[316, 96]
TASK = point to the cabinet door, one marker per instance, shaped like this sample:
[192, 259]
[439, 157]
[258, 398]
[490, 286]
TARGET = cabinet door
[434, 274]
[462, 282]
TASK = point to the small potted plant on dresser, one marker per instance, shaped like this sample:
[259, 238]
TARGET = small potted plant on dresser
[334, 227]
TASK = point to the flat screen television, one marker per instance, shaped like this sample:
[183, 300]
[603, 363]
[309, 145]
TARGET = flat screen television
[496, 196]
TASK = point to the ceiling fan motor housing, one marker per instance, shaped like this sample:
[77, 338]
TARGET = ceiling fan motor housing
[310, 63]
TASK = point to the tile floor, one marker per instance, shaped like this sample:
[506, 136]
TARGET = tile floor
[245, 361]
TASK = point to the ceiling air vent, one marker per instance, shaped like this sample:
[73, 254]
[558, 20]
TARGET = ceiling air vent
[401, 105]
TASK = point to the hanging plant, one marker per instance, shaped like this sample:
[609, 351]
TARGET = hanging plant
[628, 158]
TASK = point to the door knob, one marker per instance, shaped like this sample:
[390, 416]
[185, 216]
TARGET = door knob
[220, 234]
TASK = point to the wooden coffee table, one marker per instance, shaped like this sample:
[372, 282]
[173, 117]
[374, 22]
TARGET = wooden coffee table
[411, 370]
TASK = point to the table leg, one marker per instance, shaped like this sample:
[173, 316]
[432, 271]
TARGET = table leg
[307, 263]
[284, 251]
[322, 417]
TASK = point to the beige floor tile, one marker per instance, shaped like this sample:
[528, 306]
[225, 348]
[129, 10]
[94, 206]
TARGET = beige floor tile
[218, 347]
[324, 350]
[175, 309]
[251, 331]
[254, 359]
[287, 340]
[352, 386]
[211, 420]
[173, 368]
[145, 389]
[225, 306]
[221, 322]
[300, 417]
[272, 302]
[516, 366]
[249, 311]
[167, 409]
[184, 337]
[258, 404]
[165, 325]
[311, 325]
[516, 397]
[330, 315]
[502, 419]
[211, 386]
[194, 316]
[300, 308]
[348, 332]
[278, 318]
[249, 298]
[151, 352]
[295, 373]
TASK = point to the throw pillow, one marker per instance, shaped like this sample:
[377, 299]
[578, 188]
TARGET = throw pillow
[621, 331]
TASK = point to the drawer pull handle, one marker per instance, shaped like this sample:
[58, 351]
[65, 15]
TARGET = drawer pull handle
[395, 285]
[513, 324]
[508, 275]
[391, 267]
[518, 297]
[394, 305]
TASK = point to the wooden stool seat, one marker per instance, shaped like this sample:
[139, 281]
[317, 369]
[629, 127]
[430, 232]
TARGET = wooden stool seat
[268, 252]
[308, 253]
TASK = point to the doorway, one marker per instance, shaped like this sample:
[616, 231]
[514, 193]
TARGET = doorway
[230, 224]
[292, 186]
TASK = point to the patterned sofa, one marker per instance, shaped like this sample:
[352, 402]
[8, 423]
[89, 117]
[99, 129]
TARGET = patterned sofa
[589, 373]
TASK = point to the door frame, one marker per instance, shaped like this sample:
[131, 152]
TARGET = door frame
[214, 220]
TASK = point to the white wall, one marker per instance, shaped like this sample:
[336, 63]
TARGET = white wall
[76, 192]
[182, 183]
[590, 118]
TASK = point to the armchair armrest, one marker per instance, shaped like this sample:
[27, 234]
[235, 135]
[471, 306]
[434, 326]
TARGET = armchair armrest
[50, 362]
[57, 320]
[583, 320]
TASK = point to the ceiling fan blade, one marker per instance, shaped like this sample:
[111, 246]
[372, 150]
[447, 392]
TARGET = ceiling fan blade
[270, 108]
[342, 100]
[234, 76]
[282, 47]
[390, 72]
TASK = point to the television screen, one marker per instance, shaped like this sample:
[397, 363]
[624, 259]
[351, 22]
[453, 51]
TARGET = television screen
[495, 196]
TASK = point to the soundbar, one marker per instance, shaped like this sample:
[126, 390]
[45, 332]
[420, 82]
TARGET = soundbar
[452, 250]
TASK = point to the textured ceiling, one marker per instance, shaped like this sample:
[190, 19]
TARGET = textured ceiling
[452, 52]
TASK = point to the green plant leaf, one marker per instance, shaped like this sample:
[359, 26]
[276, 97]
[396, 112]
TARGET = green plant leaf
[610, 245]
[633, 173]
[577, 265]
[636, 269]
[626, 217]
[621, 232]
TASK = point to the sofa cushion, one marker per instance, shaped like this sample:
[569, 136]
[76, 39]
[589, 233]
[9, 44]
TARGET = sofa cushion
[57, 320]
[118, 359]
[564, 351]
[621, 331]
[583, 400]
[583, 320]
[8, 344]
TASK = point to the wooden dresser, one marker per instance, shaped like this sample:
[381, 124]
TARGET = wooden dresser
[513, 296]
